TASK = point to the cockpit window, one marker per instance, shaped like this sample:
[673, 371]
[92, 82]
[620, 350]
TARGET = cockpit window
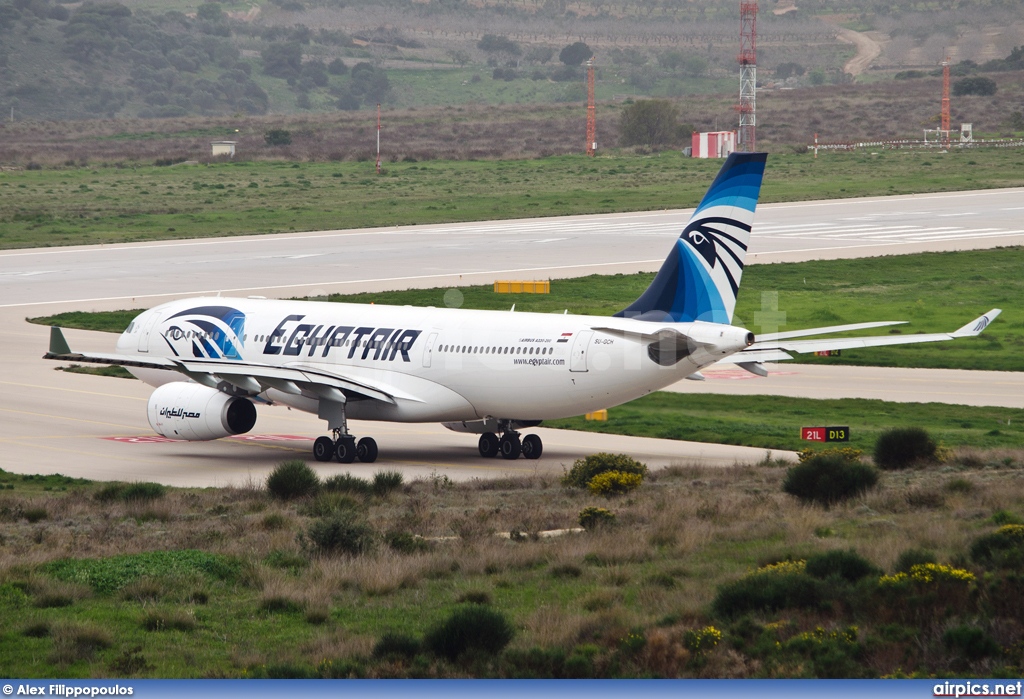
[131, 328]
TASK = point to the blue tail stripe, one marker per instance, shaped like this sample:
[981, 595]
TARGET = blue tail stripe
[740, 189]
[684, 290]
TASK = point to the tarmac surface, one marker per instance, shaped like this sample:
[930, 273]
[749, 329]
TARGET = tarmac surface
[96, 427]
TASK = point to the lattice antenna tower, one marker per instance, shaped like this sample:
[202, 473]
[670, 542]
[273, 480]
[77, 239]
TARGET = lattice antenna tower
[591, 115]
[945, 101]
[748, 77]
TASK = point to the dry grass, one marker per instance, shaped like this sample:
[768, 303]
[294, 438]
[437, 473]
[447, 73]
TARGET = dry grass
[678, 538]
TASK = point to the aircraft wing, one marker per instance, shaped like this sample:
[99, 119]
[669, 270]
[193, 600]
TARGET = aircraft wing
[252, 377]
[776, 347]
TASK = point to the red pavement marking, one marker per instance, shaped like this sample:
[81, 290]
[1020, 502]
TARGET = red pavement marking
[742, 374]
[155, 439]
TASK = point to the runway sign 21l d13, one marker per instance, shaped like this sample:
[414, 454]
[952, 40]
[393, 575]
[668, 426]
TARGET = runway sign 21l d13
[825, 434]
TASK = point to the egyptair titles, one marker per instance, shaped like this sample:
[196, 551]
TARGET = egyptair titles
[292, 337]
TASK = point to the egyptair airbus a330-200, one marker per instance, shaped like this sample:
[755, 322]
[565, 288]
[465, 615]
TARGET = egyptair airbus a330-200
[493, 373]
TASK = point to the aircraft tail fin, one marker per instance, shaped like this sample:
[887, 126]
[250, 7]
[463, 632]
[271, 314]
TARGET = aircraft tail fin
[701, 276]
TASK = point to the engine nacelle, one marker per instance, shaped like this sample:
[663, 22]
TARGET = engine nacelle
[193, 412]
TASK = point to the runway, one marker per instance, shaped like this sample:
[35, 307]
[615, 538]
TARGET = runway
[303, 264]
[91, 426]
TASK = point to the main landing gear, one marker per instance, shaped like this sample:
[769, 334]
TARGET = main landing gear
[510, 446]
[345, 449]
[343, 446]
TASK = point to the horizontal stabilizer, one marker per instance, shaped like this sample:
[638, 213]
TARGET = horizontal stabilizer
[782, 344]
[810, 332]
[755, 368]
[756, 355]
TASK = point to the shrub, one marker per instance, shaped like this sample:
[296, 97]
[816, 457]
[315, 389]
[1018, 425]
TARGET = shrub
[846, 565]
[583, 470]
[1002, 517]
[912, 557]
[614, 483]
[130, 662]
[278, 137]
[35, 514]
[394, 643]
[975, 86]
[783, 585]
[340, 533]
[903, 447]
[701, 640]
[829, 479]
[325, 504]
[386, 481]
[404, 542]
[347, 483]
[1003, 548]
[592, 518]
[649, 123]
[280, 604]
[292, 479]
[475, 597]
[970, 642]
[924, 574]
[130, 492]
[849, 453]
[471, 627]
[273, 521]
[831, 654]
[36, 629]
[75, 642]
[143, 492]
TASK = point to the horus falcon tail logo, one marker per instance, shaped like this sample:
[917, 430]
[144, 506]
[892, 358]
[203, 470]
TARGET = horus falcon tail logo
[711, 241]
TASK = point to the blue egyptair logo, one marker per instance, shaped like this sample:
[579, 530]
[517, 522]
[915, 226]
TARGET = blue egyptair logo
[215, 332]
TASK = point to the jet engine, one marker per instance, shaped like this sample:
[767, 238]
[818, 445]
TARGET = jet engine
[193, 412]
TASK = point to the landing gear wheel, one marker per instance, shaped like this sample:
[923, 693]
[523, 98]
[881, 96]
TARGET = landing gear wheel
[510, 446]
[366, 450]
[345, 450]
[532, 446]
[323, 449]
[488, 445]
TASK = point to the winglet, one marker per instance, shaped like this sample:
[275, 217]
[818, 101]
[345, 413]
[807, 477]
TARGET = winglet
[58, 345]
[976, 326]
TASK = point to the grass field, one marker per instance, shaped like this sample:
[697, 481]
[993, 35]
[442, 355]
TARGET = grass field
[113, 204]
[774, 421]
[101, 580]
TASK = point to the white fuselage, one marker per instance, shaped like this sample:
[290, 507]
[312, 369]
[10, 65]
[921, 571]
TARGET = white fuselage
[439, 364]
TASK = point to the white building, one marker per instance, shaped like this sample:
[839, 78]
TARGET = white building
[713, 144]
[224, 148]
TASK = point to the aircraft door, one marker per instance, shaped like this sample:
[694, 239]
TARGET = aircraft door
[428, 350]
[147, 330]
[578, 358]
